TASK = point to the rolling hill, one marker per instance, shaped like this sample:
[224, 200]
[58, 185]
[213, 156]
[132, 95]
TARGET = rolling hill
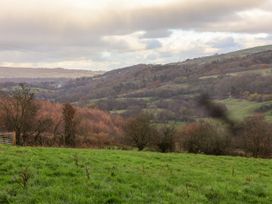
[40, 73]
[170, 91]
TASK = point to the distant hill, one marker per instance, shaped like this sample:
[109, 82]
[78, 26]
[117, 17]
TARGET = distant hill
[170, 91]
[231, 55]
[39, 73]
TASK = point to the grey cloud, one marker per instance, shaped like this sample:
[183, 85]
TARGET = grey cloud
[53, 34]
[181, 55]
[227, 43]
[187, 15]
[269, 37]
[241, 25]
[153, 44]
[78, 28]
[157, 34]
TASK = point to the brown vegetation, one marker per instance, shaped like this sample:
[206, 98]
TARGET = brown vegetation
[165, 139]
[19, 113]
[139, 131]
[69, 124]
[170, 88]
[44, 123]
[205, 137]
[255, 136]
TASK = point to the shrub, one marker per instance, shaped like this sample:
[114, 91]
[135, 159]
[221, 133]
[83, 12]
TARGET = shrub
[165, 138]
[139, 131]
[69, 124]
[255, 136]
[205, 137]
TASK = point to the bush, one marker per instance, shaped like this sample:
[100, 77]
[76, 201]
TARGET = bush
[165, 138]
[69, 124]
[205, 137]
[255, 136]
[139, 131]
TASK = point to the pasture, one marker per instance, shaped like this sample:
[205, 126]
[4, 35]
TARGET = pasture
[59, 175]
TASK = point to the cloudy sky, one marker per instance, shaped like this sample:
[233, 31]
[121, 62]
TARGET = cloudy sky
[109, 34]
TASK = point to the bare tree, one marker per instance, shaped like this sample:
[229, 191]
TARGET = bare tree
[69, 124]
[41, 126]
[139, 131]
[164, 140]
[19, 111]
[256, 137]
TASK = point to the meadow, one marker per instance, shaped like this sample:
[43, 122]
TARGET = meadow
[240, 109]
[59, 175]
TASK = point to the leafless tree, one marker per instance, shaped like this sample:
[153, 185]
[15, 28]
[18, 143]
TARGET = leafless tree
[139, 131]
[19, 111]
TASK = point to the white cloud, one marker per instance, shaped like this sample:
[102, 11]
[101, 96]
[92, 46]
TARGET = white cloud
[109, 34]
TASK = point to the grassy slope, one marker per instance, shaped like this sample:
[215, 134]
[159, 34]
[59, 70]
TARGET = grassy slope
[132, 177]
[239, 109]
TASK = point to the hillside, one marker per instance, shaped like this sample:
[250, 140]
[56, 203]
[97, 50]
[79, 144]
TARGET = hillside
[170, 91]
[235, 54]
[108, 176]
[39, 73]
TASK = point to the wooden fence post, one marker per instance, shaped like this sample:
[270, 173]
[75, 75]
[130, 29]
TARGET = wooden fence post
[14, 138]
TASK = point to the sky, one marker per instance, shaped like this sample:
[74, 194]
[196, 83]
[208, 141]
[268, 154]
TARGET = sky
[110, 34]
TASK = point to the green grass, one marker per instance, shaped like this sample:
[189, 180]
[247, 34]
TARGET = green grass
[174, 86]
[136, 98]
[239, 109]
[171, 123]
[262, 72]
[131, 177]
[118, 111]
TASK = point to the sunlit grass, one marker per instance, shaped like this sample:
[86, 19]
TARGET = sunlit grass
[59, 176]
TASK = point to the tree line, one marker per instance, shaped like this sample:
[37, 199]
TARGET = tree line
[219, 135]
[46, 124]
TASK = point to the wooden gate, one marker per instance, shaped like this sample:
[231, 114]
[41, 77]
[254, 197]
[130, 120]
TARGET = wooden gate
[7, 138]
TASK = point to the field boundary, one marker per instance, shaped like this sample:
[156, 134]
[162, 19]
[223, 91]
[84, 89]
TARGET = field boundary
[7, 138]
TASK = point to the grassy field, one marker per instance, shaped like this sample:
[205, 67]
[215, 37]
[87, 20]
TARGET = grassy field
[113, 176]
[239, 109]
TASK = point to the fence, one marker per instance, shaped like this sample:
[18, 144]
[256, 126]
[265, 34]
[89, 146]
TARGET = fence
[7, 138]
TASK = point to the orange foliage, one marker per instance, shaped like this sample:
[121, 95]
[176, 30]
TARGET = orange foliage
[95, 127]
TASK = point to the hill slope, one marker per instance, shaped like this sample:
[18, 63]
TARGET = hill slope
[170, 90]
[107, 176]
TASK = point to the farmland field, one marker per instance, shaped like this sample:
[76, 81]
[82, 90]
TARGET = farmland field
[239, 109]
[58, 175]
